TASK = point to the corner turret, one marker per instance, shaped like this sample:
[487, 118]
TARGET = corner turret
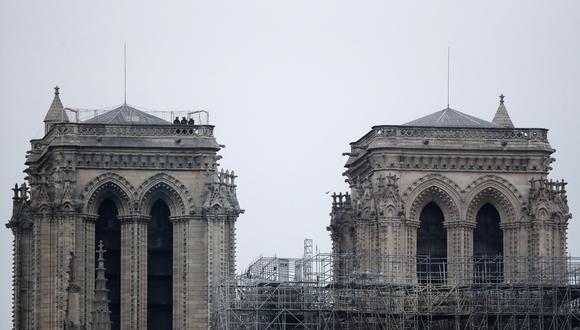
[501, 116]
[56, 113]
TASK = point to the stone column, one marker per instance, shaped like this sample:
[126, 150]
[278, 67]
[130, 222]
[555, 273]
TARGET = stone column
[459, 252]
[47, 272]
[190, 268]
[214, 256]
[22, 280]
[384, 244]
[231, 248]
[410, 228]
[65, 246]
[512, 262]
[85, 249]
[134, 271]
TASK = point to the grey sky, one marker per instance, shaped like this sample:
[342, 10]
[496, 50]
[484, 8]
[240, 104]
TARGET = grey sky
[289, 84]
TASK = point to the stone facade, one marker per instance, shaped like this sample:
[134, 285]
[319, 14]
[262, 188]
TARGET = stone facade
[460, 163]
[72, 170]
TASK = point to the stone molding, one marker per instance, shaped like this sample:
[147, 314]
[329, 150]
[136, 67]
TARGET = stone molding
[171, 190]
[500, 134]
[433, 188]
[143, 130]
[108, 184]
[173, 161]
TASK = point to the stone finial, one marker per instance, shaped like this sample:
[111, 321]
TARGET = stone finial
[101, 312]
[16, 190]
[56, 112]
[101, 251]
[501, 116]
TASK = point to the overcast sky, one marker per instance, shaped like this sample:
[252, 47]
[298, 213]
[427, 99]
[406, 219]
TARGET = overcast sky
[289, 84]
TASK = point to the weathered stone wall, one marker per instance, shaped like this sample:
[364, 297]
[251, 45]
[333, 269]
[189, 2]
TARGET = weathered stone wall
[394, 171]
[77, 166]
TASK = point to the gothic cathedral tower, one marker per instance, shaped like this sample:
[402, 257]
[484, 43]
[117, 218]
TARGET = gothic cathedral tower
[151, 192]
[453, 191]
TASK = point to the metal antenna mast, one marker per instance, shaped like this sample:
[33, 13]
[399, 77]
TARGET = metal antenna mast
[125, 76]
[448, 57]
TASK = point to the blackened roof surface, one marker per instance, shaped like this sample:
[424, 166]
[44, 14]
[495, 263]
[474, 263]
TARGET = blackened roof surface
[451, 118]
[126, 114]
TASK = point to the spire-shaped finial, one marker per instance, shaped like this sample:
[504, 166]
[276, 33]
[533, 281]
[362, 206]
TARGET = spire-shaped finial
[56, 112]
[101, 251]
[501, 116]
[101, 312]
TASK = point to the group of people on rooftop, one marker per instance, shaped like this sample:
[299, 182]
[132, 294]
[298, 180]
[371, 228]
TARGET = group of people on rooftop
[183, 121]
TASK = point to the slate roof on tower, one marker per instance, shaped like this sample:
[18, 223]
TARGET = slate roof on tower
[126, 114]
[451, 118]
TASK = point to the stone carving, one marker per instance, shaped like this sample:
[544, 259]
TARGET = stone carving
[143, 130]
[341, 223]
[220, 195]
[390, 202]
[175, 194]
[21, 212]
[111, 183]
[495, 197]
[157, 161]
[549, 197]
[493, 189]
[437, 188]
[461, 133]
[365, 206]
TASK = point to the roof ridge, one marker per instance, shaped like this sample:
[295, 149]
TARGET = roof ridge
[127, 114]
[443, 113]
[449, 117]
[469, 117]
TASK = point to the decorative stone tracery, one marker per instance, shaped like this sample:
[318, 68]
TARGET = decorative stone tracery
[108, 185]
[169, 189]
[433, 188]
[497, 191]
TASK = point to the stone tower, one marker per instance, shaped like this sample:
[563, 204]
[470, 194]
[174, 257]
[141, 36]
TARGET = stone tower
[151, 191]
[452, 187]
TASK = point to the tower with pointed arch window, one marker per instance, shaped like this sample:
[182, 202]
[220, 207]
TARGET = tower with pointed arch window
[146, 189]
[450, 197]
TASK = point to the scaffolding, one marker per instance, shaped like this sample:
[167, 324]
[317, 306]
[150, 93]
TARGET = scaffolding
[79, 115]
[404, 292]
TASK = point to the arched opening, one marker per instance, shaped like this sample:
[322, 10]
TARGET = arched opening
[159, 268]
[488, 246]
[431, 245]
[108, 229]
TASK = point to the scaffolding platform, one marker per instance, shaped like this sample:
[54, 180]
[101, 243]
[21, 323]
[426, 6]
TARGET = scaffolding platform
[402, 292]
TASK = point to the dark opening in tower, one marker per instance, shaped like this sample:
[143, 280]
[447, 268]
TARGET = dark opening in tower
[431, 245]
[159, 268]
[108, 229]
[488, 246]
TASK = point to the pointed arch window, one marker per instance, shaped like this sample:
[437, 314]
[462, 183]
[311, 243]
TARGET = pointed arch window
[108, 230]
[431, 245]
[488, 246]
[159, 268]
